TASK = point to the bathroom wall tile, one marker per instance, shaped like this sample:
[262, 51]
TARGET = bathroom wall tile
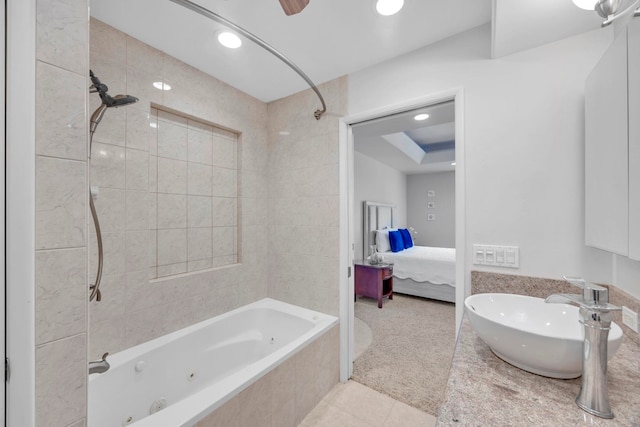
[139, 132]
[144, 325]
[184, 312]
[114, 253]
[108, 45]
[199, 243]
[62, 33]
[106, 336]
[282, 393]
[225, 182]
[153, 211]
[79, 423]
[199, 210]
[142, 57]
[256, 403]
[61, 122]
[61, 381]
[153, 135]
[172, 140]
[172, 246]
[137, 170]
[225, 212]
[221, 261]
[153, 250]
[153, 174]
[227, 415]
[172, 176]
[195, 125]
[225, 152]
[175, 119]
[137, 248]
[172, 211]
[171, 269]
[200, 264]
[140, 294]
[110, 207]
[223, 241]
[200, 146]
[111, 305]
[199, 178]
[61, 293]
[107, 166]
[112, 128]
[61, 203]
[137, 210]
[140, 85]
[254, 184]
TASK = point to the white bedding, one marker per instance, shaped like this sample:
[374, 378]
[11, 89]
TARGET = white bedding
[424, 264]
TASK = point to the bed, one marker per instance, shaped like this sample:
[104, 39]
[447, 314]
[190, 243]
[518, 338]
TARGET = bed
[423, 271]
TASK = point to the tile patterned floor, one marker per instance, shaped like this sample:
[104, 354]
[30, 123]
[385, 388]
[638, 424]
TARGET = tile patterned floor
[355, 405]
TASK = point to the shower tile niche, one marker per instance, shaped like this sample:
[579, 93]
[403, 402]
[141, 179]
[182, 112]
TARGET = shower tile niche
[193, 182]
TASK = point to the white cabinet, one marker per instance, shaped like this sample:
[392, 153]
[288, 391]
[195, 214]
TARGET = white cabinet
[612, 148]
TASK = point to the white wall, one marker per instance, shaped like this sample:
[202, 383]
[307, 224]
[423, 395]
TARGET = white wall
[376, 182]
[524, 141]
[440, 232]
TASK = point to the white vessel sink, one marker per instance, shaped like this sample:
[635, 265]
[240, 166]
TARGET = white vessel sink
[539, 337]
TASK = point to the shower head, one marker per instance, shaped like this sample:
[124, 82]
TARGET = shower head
[108, 100]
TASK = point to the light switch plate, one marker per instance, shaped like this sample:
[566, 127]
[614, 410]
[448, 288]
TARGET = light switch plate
[498, 256]
[630, 318]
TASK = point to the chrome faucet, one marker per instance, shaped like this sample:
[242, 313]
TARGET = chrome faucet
[595, 315]
[99, 366]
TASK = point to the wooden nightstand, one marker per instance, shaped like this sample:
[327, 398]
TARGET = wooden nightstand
[374, 281]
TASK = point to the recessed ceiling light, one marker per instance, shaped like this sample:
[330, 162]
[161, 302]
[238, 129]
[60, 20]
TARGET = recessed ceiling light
[453, 163]
[229, 39]
[421, 116]
[389, 7]
[162, 85]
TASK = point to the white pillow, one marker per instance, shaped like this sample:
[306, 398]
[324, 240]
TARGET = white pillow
[382, 240]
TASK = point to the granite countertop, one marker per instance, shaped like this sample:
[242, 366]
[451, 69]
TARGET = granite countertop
[483, 390]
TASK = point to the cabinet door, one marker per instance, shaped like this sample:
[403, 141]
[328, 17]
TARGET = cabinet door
[633, 52]
[606, 142]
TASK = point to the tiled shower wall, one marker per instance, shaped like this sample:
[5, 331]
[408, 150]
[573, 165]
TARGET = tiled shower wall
[61, 206]
[304, 186]
[126, 160]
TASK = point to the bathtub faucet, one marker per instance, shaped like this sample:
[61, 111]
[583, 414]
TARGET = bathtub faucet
[99, 366]
[595, 315]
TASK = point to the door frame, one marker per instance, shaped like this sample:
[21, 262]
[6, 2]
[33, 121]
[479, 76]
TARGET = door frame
[346, 151]
[20, 211]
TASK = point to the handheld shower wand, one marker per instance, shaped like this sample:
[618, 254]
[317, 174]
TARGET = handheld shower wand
[108, 101]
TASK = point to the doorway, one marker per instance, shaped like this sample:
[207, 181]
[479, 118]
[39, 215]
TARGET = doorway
[348, 213]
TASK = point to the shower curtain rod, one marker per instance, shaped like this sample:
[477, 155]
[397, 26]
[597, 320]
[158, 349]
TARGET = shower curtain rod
[219, 19]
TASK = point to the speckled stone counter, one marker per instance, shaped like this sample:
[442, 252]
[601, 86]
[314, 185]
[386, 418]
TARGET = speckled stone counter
[483, 390]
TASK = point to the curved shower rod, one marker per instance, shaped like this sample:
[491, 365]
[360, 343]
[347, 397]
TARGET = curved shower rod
[215, 17]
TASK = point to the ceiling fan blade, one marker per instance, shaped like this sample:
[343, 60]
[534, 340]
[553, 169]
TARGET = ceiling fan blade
[291, 7]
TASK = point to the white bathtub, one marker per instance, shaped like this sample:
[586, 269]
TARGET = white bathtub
[197, 369]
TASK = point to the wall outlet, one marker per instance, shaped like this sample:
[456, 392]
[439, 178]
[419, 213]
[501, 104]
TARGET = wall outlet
[630, 318]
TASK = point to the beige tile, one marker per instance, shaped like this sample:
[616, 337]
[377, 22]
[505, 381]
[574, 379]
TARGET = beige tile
[142, 57]
[225, 152]
[153, 249]
[199, 211]
[223, 241]
[61, 36]
[112, 128]
[153, 137]
[172, 140]
[153, 174]
[225, 182]
[137, 210]
[79, 423]
[172, 211]
[255, 402]
[114, 253]
[110, 207]
[139, 131]
[171, 269]
[199, 244]
[225, 212]
[61, 378]
[141, 295]
[61, 293]
[106, 336]
[61, 203]
[403, 415]
[61, 122]
[200, 148]
[172, 246]
[137, 250]
[108, 45]
[140, 85]
[137, 170]
[227, 415]
[144, 325]
[367, 404]
[107, 166]
[112, 302]
[174, 119]
[331, 416]
[201, 264]
[199, 179]
[172, 176]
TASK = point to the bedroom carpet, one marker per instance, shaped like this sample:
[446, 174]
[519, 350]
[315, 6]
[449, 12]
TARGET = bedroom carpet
[410, 355]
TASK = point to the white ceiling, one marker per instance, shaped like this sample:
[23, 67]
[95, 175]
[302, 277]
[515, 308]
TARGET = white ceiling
[328, 39]
[332, 38]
